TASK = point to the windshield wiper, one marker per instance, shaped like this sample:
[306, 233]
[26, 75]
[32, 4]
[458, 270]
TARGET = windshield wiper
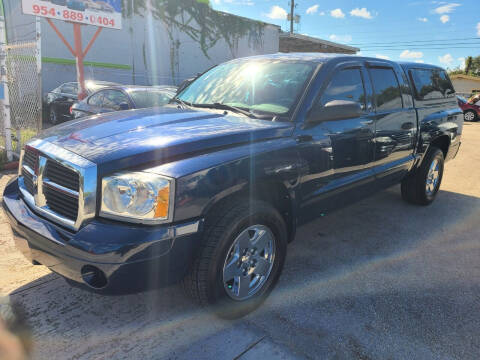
[181, 102]
[222, 106]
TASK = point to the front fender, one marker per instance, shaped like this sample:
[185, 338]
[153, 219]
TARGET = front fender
[205, 180]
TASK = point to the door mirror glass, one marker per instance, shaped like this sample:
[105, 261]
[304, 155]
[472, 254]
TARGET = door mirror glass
[336, 110]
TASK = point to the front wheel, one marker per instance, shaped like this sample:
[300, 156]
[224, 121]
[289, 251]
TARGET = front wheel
[53, 116]
[241, 258]
[469, 115]
[421, 187]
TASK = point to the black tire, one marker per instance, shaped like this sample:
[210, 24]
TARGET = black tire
[470, 115]
[53, 117]
[204, 283]
[414, 186]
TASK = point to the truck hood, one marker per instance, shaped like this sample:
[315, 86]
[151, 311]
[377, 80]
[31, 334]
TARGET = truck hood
[159, 134]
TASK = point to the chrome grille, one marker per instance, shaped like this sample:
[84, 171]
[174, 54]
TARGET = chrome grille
[58, 184]
[61, 175]
[60, 202]
[30, 158]
[28, 181]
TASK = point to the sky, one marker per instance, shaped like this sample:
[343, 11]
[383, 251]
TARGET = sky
[435, 32]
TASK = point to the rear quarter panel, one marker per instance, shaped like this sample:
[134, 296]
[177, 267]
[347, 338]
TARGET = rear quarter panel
[438, 118]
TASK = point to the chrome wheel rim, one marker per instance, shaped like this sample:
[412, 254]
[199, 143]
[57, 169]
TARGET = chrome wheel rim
[433, 177]
[249, 262]
[469, 116]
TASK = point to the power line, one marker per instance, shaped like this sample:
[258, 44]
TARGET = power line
[413, 46]
[419, 48]
[416, 41]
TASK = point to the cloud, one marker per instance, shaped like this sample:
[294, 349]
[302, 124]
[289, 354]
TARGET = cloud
[478, 29]
[277, 13]
[424, 19]
[341, 38]
[321, 13]
[446, 59]
[407, 54]
[312, 9]
[363, 13]
[462, 62]
[420, 61]
[337, 13]
[444, 18]
[446, 9]
[384, 57]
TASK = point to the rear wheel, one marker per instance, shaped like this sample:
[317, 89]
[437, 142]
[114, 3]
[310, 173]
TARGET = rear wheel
[240, 260]
[469, 115]
[421, 187]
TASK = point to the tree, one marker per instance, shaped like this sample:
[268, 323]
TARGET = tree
[468, 64]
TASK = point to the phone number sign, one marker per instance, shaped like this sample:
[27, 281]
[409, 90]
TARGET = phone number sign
[99, 13]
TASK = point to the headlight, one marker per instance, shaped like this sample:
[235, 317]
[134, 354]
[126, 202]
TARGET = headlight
[139, 197]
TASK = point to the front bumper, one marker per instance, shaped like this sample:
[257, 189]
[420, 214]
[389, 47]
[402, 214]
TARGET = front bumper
[131, 257]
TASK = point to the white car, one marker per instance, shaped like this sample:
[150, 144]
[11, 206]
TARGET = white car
[92, 5]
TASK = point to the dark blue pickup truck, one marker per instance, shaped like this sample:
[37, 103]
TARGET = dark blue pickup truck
[210, 188]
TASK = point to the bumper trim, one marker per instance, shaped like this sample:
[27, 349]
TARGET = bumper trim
[187, 229]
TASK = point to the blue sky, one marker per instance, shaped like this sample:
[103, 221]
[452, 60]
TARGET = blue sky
[436, 32]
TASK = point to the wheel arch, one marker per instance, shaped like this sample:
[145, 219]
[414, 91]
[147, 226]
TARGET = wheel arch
[272, 191]
[442, 142]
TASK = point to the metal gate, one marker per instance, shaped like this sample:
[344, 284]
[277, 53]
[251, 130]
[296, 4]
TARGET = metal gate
[25, 89]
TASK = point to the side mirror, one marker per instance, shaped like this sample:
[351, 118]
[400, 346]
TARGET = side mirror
[124, 106]
[335, 110]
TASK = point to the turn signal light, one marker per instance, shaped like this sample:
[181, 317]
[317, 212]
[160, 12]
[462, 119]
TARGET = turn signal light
[163, 198]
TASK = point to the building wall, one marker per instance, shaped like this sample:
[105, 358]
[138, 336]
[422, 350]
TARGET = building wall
[465, 86]
[162, 44]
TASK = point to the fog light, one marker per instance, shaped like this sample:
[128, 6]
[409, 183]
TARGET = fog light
[94, 277]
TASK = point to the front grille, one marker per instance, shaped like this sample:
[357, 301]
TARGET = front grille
[28, 181]
[61, 175]
[61, 203]
[30, 158]
[58, 184]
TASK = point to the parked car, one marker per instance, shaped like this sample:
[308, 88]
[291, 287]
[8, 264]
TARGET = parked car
[58, 101]
[106, 6]
[470, 107]
[78, 5]
[59, 2]
[123, 97]
[210, 189]
[93, 5]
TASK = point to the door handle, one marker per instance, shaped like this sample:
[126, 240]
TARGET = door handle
[366, 122]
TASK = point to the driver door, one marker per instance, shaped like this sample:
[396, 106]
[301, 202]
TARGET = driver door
[339, 153]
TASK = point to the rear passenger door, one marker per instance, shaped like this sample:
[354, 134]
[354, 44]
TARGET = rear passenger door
[395, 122]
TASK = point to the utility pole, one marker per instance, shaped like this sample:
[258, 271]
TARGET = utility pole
[4, 84]
[292, 9]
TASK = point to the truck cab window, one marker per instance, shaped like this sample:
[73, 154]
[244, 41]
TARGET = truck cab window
[347, 84]
[426, 82]
[387, 90]
[446, 86]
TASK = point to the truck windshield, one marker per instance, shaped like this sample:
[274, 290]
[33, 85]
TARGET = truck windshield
[267, 86]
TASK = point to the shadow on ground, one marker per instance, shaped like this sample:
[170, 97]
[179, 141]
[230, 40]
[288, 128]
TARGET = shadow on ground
[379, 279]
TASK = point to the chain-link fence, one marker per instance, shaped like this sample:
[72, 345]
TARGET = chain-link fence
[25, 89]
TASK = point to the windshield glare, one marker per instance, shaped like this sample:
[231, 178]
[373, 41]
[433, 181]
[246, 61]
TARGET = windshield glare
[147, 99]
[267, 86]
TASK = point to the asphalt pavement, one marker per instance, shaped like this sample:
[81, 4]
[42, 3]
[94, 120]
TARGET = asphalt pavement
[380, 279]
